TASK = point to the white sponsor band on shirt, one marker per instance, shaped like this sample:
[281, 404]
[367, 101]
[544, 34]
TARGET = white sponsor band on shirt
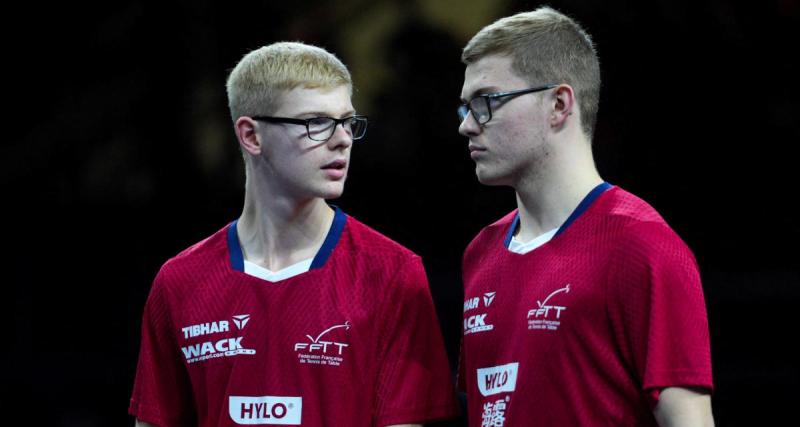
[266, 410]
[498, 379]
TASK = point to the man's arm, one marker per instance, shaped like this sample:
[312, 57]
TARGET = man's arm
[683, 407]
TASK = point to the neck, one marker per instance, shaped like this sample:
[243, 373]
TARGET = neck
[548, 196]
[276, 231]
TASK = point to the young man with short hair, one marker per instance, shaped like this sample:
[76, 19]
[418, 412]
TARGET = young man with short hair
[582, 306]
[294, 314]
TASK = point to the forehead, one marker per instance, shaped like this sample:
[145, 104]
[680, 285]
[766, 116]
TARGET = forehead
[330, 101]
[490, 72]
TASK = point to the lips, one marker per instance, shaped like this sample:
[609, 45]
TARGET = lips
[475, 151]
[336, 164]
[335, 170]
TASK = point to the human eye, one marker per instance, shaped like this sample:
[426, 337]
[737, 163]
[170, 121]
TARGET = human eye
[494, 101]
[318, 125]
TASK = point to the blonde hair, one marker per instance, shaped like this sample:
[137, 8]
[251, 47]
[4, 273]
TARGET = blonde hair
[257, 82]
[546, 47]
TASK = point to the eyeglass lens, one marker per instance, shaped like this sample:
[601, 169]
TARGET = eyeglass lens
[322, 128]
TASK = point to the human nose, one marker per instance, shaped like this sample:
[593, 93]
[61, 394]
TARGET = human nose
[341, 136]
[469, 126]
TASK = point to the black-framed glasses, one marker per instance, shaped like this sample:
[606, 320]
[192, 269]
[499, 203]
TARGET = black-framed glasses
[481, 105]
[322, 128]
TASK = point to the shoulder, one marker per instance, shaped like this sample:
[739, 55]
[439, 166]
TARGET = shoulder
[494, 232]
[367, 241]
[626, 208]
[636, 223]
[384, 261]
[195, 260]
[642, 243]
[491, 236]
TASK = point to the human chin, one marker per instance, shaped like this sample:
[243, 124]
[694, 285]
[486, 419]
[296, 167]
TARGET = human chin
[332, 189]
[489, 176]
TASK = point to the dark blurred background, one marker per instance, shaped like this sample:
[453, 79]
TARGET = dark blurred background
[118, 153]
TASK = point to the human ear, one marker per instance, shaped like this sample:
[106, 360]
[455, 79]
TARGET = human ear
[563, 105]
[248, 137]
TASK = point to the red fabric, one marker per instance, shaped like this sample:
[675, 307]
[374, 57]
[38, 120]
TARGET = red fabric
[597, 321]
[383, 352]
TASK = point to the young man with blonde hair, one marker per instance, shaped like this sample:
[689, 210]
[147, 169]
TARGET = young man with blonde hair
[582, 306]
[295, 313]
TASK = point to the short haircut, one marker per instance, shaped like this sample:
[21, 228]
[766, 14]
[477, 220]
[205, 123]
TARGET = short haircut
[546, 47]
[258, 81]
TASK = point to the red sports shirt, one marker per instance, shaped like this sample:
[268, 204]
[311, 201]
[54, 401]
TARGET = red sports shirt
[352, 342]
[587, 328]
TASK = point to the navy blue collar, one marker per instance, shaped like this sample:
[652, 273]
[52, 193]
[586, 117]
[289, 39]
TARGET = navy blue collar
[582, 206]
[334, 233]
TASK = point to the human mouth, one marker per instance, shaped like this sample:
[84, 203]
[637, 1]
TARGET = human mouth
[475, 151]
[336, 169]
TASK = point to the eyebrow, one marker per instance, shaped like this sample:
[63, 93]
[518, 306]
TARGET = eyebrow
[481, 91]
[311, 114]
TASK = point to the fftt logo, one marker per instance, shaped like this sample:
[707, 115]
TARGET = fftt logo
[547, 317]
[544, 309]
[498, 379]
[316, 345]
[270, 410]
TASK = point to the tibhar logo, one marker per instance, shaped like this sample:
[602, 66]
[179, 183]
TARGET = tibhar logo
[205, 329]
[317, 351]
[488, 297]
[270, 410]
[214, 327]
[542, 316]
[241, 320]
[212, 349]
[498, 379]
[473, 303]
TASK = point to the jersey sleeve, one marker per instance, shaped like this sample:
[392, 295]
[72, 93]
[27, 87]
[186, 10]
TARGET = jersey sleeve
[162, 393]
[658, 311]
[414, 381]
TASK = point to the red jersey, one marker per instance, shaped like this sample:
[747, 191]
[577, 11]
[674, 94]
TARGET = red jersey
[587, 328]
[353, 341]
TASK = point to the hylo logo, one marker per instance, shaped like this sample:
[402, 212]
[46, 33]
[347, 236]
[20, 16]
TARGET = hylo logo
[498, 379]
[272, 410]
